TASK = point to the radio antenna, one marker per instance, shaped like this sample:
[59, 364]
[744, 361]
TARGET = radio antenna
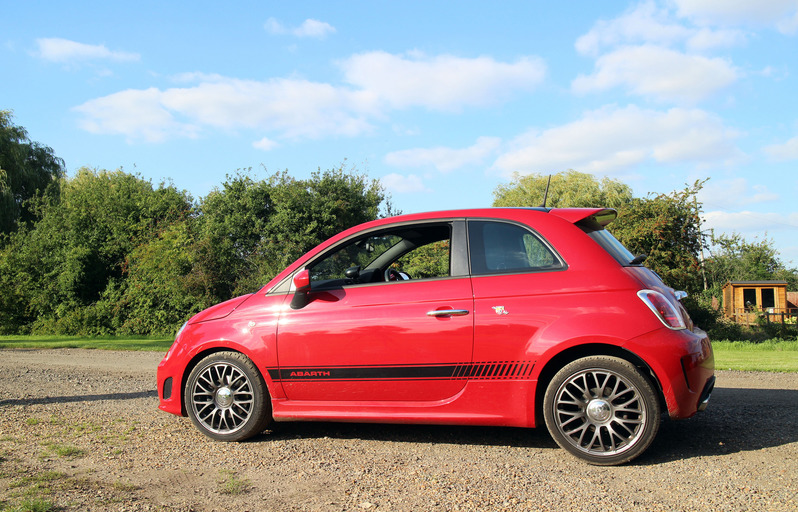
[546, 193]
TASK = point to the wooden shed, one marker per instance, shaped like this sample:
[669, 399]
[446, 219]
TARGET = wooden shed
[746, 301]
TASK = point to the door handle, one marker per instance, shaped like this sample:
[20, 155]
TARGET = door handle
[447, 312]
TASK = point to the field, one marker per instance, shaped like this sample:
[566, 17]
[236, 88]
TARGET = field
[81, 430]
[769, 356]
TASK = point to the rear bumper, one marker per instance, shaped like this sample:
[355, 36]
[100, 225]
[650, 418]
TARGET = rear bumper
[703, 400]
[684, 365]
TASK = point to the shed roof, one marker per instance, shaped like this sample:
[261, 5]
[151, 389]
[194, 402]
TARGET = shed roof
[754, 283]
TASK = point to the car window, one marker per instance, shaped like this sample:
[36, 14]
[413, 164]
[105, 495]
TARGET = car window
[357, 254]
[615, 248]
[412, 252]
[497, 247]
[427, 261]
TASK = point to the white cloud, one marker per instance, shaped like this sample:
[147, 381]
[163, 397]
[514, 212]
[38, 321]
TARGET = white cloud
[136, 114]
[611, 140]
[707, 39]
[757, 223]
[295, 108]
[781, 14]
[646, 23]
[301, 108]
[265, 144]
[663, 74]
[309, 28]
[444, 82]
[783, 152]
[65, 51]
[732, 194]
[442, 158]
[397, 183]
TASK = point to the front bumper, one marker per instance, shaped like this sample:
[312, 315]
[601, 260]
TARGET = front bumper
[169, 381]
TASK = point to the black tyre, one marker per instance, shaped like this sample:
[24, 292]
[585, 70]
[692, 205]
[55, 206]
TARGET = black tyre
[226, 397]
[602, 409]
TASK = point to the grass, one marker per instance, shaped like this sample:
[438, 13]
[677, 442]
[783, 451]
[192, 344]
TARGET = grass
[63, 450]
[134, 343]
[35, 504]
[231, 484]
[34, 491]
[45, 477]
[768, 356]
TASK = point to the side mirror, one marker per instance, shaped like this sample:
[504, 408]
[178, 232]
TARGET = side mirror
[302, 285]
[302, 280]
[352, 272]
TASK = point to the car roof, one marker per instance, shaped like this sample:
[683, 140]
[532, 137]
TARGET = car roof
[596, 218]
[602, 216]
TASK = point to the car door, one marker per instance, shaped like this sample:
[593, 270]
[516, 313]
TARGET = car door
[516, 275]
[362, 336]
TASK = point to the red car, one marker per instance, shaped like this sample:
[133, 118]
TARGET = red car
[504, 317]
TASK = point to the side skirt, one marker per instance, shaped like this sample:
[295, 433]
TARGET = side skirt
[507, 403]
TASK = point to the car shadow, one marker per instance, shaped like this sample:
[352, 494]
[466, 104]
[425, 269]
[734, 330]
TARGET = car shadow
[79, 398]
[409, 433]
[736, 420]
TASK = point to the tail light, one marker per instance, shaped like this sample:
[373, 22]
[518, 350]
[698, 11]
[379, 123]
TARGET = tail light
[667, 312]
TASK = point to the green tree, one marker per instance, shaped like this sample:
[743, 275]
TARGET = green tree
[570, 189]
[248, 230]
[666, 228]
[69, 268]
[732, 258]
[164, 284]
[16, 283]
[27, 170]
[232, 223]
[113, 254]
[307, 212]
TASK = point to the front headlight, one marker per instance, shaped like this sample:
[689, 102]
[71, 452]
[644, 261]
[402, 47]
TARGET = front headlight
[174, 343]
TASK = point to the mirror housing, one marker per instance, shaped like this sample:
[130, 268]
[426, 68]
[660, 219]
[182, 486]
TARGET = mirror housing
[302, 284]
[302, 280]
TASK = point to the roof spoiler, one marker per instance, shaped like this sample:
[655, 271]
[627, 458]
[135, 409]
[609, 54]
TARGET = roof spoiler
[600, 216]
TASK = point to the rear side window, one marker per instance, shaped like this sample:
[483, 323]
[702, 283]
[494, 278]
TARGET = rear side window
[611, 244]
[500, 247]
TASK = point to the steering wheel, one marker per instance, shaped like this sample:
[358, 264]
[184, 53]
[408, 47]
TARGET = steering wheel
[391, 274]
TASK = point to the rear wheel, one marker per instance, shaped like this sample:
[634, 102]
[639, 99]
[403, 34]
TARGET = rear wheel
[226, 397]
[602, 409]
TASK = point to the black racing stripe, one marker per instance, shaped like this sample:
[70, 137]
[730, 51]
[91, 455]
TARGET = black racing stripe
[481, 370]
[369, 373]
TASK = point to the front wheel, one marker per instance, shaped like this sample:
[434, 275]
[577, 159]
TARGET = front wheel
[602, 409]
[227, 398]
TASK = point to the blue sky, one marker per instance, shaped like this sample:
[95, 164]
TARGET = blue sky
[442, 101]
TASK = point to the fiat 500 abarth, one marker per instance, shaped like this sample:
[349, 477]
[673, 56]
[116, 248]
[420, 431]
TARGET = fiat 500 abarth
[501, 317]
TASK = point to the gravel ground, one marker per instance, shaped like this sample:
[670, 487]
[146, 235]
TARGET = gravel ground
[80, 430]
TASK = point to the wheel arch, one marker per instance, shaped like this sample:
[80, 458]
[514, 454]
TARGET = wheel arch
[556, 363]
[205, 352]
